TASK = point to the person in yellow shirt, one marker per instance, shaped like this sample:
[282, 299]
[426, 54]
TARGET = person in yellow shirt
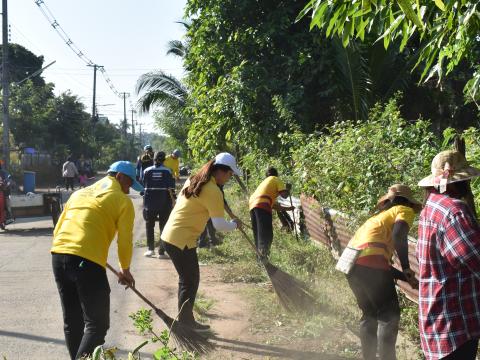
[372, 278]
[81, 239]
[199, 200]
[261, 203]
[173, 163]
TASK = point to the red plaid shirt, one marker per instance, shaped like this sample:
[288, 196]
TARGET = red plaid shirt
[448, 252]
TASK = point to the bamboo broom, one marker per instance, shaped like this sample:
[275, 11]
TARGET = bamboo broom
[293, 294]
[183, 335]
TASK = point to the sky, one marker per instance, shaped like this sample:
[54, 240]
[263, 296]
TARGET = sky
[129, 38]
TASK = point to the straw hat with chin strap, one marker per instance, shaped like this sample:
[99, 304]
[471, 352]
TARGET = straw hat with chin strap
[448, 167]
[399, 190]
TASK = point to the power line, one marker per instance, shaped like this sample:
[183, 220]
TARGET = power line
[69, 42]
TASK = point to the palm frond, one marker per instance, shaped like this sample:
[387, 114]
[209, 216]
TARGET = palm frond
[160, 89]
[176, 47]
[352, 75]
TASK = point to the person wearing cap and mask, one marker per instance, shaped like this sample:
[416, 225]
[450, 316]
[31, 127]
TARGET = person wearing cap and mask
[199, 200]
[448, 252]
[372, 278]
[157, 201]
[261, 203]
[173, 163]
[90, 220]
[144, 161]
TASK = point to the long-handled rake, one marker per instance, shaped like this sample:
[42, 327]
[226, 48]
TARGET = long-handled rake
[183, 335]
[292, 293]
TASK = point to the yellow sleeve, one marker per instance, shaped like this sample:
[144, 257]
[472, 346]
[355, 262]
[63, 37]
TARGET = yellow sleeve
[61, 218]
[125, 234]
[405, 214]
[176, 171]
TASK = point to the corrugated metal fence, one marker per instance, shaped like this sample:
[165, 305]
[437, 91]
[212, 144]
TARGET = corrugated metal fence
[329, 227]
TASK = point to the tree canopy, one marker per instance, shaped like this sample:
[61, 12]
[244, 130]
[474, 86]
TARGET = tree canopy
[445, 32]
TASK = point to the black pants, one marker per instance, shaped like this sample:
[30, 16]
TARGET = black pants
[262, 229]
[85, 297]
[69, 182]
[151, 216]
[377, 298]
[186, 264]
[467, 351]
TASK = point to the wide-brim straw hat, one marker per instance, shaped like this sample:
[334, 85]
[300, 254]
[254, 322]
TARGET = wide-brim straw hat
[399, 190]
[448, 167]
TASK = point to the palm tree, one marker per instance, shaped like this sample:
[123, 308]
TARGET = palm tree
[160, 89]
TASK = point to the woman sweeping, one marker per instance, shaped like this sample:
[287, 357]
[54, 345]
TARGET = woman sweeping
[199, 200]
[371, 278]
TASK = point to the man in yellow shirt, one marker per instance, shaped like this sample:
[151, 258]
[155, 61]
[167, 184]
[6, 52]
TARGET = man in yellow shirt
[81, 239]
[261, 203]
[173, 163]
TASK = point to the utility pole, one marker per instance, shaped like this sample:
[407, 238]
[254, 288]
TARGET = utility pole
[140, 135]
[5, 86]
[124, 126]
[133, 131]
[94, 107]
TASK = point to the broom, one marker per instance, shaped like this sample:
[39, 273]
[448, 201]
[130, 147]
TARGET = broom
[183, 335]
[292, 293]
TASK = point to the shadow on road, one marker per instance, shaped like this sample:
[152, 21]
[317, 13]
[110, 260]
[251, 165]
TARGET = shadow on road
[271, 351]
[45, 339]
[29, 232]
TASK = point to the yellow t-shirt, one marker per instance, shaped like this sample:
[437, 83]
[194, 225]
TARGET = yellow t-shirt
[374, 237]
[189, 216]
[172, 164]
[266, 193]
[90, 220]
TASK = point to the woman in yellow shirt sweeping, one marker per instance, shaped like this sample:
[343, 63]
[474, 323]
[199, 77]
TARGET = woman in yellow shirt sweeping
[371, 279]
[199, 200]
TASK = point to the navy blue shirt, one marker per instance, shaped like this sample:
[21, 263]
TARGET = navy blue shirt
[157, 180]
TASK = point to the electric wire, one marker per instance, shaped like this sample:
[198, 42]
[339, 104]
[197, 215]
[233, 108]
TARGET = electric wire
[69, 42]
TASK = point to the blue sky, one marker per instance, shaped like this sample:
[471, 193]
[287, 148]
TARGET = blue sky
[128, 37]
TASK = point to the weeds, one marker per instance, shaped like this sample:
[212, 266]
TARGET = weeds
[142, 320]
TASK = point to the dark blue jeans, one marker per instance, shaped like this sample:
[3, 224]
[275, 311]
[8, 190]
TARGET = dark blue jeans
[85, 297]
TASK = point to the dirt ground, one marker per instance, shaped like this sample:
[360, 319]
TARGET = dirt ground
[238, 333]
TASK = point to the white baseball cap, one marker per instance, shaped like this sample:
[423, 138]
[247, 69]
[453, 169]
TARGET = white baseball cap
[228, 160]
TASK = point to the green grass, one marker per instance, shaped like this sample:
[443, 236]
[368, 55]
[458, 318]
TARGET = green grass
[202, 306]
[312, 264]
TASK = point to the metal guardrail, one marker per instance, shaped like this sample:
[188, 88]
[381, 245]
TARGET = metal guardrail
[330, 228]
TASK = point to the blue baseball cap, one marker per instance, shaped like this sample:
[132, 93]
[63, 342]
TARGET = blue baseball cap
[126, 168]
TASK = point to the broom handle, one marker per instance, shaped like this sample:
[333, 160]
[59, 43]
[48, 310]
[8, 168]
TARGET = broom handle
[293, 215]
[250, 242]
[139, 294]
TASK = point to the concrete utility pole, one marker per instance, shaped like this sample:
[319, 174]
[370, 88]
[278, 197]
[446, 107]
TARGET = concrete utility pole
[94, 107]
[5, 86]
[133, 130]
[125, 95]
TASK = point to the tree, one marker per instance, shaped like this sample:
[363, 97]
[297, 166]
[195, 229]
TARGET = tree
[23, 63]
[168, 96]
[444, 32]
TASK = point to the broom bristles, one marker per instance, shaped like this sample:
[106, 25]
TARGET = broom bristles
[292, 293]
[187, 338]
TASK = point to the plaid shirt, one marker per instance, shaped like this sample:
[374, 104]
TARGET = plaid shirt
[448, 252]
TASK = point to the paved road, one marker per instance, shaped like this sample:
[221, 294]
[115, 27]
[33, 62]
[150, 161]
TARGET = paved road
[30, 322]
